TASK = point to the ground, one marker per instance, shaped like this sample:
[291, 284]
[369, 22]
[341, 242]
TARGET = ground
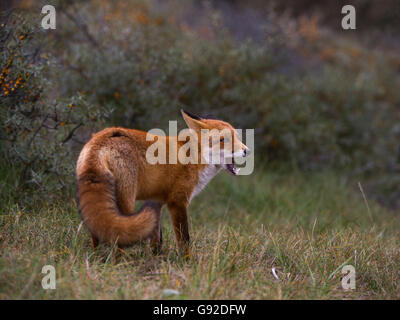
[305, 226]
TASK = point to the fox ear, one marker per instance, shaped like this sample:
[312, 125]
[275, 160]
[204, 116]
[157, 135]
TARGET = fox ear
[193, 122]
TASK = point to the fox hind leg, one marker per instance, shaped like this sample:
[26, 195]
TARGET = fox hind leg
[156, 239]
[95, 242]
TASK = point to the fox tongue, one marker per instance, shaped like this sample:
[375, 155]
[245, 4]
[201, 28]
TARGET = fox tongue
[232, 168]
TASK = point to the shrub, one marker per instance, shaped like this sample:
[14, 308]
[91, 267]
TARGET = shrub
[38, 127]
[314, 98]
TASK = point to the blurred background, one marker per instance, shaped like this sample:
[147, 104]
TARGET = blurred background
[317, 96]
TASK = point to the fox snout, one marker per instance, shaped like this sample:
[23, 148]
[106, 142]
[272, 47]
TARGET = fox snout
[246, 151]
[242, 151]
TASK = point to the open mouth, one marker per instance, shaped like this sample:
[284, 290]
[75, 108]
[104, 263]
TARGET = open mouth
[231, 167]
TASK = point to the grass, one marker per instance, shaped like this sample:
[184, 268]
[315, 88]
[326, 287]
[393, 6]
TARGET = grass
[306, 226]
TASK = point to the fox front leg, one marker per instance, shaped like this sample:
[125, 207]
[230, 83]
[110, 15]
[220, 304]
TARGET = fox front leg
[179, 219]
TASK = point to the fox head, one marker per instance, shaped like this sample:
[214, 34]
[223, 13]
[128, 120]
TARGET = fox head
[220, 142]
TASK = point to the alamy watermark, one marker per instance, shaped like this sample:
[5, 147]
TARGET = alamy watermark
[349, 20]
[49, 20]
[349, 278]
[207, 146]
[49, 280]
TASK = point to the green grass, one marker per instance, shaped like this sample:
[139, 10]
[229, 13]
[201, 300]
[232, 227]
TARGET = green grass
[306, 226]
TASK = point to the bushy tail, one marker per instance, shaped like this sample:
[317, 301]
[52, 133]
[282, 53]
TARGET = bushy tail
[99, 210]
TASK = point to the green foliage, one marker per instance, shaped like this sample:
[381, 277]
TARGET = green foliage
[37, 125]
[315, 98]
[340, 113]
[306, 226]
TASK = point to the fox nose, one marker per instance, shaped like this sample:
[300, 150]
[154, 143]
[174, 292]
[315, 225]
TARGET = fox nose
[246, 152]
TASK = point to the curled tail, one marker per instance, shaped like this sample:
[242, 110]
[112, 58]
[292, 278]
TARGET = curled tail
[99, 210]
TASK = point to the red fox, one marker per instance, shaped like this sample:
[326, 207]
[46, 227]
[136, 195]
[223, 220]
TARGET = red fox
[112, 172]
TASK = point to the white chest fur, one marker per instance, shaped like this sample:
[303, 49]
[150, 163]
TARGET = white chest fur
[205, 177]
